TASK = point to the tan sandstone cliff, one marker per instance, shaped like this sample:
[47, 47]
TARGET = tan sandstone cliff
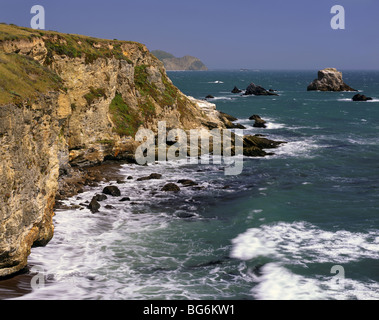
[70, 100]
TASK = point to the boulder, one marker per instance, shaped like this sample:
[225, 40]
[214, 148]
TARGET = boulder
[100, 197]
[209, 96]
[253, 89]
[236, 90]
[187, 182]
[259, 122]
[361, 97]
[329, 79]
[112, 191]
[153, 176]
[125, 199]
[171, 187]
[94, 206]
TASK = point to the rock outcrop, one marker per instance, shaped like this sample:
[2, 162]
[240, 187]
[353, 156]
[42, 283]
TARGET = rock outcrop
[236, 90]
[259, 122]
[361, 97]
[329, 79]
[255, 90]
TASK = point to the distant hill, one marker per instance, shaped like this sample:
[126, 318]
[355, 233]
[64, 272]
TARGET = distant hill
[173, 63]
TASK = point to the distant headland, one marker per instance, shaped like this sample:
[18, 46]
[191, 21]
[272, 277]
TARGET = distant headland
[173, 63]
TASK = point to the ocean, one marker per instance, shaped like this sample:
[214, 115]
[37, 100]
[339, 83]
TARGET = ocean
[279, 230]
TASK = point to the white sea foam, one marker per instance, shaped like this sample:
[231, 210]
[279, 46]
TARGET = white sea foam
[217, 81]
[301, 243]
[279, 283]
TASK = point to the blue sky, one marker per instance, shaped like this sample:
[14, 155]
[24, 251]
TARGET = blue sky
[276, 34]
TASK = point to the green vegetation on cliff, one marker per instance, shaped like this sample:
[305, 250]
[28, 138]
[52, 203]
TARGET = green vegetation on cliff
[22, 77]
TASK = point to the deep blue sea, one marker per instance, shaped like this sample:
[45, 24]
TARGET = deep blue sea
[276, 231]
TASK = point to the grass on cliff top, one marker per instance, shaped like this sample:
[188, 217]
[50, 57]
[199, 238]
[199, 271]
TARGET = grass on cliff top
[71, 45]
[22, 77]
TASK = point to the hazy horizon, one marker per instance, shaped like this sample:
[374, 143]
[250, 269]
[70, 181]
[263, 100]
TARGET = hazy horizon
[226, 36]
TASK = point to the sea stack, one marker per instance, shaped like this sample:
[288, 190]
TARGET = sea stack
[329, 79]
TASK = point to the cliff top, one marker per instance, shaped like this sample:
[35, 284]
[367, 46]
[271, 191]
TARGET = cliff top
[23, 76]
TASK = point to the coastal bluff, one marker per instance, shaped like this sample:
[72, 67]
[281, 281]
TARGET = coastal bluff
[186, 63]
[66, 102]
[329, 79]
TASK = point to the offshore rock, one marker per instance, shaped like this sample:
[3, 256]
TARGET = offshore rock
[256, 90]
[329, 79]
[361, 97]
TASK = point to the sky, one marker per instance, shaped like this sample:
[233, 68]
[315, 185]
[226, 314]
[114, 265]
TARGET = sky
[252, 34]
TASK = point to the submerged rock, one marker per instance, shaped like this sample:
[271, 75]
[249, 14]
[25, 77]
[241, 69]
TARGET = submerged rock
[361, 97]
[112, 191]
[329, 79]
[171, 187]
[153, 176]
[209, 96]
[253, 89]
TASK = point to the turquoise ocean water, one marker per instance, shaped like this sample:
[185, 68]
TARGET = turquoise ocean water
[273, 232]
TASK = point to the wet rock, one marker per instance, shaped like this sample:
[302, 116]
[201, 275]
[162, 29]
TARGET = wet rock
[100, 197]
[185, 215]
[259, 122]
[130, 178]
[187, 183]
[209, 96]
[153, 176]
[361, 97]
[125, 199]
[108, 206]
[236, 90]
[112, 191]
[171, 187]
[253, 89]
[94, 206]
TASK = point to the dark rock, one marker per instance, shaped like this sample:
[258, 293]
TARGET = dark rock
[130, 178]
[119, 181]
[153, 176]
[228, 116]
[259, 122]
[253, 89]
[125, 199]
[209, 96]
[112, 191]
[171, 187]
[236, 90]
[361, 97]
[187, 183]
[329, 79]
[109, 207]
[94, 206]
[100, 197]
[185, 215]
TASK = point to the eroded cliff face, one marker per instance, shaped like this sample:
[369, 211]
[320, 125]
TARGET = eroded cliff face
[68, 100]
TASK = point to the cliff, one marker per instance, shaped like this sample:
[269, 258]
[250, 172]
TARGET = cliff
[173, 63]
[71, 101]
